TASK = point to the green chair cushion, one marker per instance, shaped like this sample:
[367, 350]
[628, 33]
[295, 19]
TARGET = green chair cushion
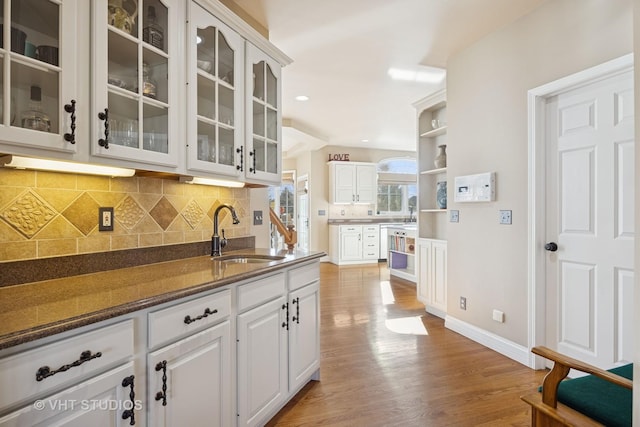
[599, 399]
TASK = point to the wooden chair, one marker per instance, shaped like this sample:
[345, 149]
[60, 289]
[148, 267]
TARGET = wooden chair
[548, 411]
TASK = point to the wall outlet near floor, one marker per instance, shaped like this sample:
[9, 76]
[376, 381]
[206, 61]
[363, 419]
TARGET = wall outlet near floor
[463, 303]
[105, 219]
[498, 316]
[505, 217]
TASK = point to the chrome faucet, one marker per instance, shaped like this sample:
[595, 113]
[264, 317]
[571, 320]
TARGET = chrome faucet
[216, 243]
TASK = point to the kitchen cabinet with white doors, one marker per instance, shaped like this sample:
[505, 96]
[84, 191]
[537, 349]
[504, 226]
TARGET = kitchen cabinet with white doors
[432, 275]
[199, 357]
[354, 244]
[352, 182]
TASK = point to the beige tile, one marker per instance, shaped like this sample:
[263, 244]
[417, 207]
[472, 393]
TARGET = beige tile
[164, 213]
[179, 224]
[94, 243]
[9, 233]
[16, 251]
[83, 213]
[129, 212]
[172, 237]
[65, 181]
[8, 195]
[17, 178]
[59, 228]
[57, 247]
[28, 213]
[124, 185]
[58, 199]
[147, 201]
[178, 202]
[124, 242]
[107, 199]
[150, 185]
[146, 225]
[194, 236]
[92, 182]
[173, 187]
[150, 239]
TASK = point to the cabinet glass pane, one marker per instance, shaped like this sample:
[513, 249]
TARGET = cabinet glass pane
[272, 122]
[35, 30]
[123, 16]
[259, 152]
[272, 88]
[225, 66]
[272, 158]
[206, 97]
[123, 121]
[206, 142]
[154, 76]
[226, 146]
[258, 119]
[155, 129]
[258, 80]
[123, 62]
[206, 38]
[225, 98]
[27, 85]
[154, 26]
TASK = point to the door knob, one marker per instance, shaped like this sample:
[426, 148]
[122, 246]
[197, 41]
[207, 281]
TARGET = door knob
[551, 247]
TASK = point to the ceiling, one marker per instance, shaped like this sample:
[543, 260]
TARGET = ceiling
[342, 51]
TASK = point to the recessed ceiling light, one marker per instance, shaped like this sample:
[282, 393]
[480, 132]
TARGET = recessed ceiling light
[419, 74]
[365, 140]
[302, 98]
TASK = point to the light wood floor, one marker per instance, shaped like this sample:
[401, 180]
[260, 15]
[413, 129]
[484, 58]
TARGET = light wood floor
[385, 362]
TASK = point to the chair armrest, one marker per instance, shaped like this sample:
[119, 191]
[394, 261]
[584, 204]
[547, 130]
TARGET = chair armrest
[561, 366]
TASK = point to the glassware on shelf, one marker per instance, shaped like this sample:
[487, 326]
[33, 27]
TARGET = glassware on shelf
[122, 14]
[149, 85]
[153, 33]
[34, 118]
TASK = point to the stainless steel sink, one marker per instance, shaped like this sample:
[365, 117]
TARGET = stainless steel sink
[248, 259]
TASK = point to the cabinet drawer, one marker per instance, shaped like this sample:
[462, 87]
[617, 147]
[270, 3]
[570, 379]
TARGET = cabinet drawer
[350, 229]
[302, 276]
[260, 291]
[371, 229]
[113, 344]
[181, 319]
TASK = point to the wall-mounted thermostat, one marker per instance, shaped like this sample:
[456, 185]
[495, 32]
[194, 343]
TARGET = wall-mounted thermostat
[475, 188]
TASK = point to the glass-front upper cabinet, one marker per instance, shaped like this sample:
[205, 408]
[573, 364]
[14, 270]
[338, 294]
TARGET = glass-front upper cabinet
[136, 78]
[38, 77]
[263, 117]
[215, 98]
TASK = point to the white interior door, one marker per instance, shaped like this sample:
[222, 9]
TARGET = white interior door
[590, 218]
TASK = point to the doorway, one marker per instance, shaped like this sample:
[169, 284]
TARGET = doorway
[302, 191]
[581, 215]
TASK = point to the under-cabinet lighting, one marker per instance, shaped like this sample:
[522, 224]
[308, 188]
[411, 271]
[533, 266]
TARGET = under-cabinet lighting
[418, 74]
[211, 181]
[18, 162]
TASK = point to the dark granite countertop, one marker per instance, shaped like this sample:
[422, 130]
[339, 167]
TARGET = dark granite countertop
[35, 310]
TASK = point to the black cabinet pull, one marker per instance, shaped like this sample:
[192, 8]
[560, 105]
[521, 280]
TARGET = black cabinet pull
[71, 108]
[207, 311]
[286, 323]
[296, 318]
[551, 246]
[128, 413]
[252, 153]
[240, 167]
[85, 356]
[162, 395]
[104, 142]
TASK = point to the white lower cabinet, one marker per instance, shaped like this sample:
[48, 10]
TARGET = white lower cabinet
[432, 275]
[304, 337]
[262, 362]
[190, 381]
[354, 244]
[103, 400]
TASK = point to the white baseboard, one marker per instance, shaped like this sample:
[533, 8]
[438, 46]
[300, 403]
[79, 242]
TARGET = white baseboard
[495, 342]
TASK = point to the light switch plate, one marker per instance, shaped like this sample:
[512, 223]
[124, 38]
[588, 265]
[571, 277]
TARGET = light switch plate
[454, 216]
[505, 217]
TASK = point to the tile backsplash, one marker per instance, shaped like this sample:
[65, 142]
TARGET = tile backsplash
[46, 214]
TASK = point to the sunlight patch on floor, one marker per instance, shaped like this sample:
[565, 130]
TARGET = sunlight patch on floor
[407, 325]
[386, 293]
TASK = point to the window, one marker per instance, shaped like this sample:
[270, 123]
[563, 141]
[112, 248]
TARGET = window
[397, 189]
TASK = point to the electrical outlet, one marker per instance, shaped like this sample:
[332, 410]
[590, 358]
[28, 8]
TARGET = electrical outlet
[505, 217]
[454, 216]
[463, 303]
[105, 219]
[498, 316]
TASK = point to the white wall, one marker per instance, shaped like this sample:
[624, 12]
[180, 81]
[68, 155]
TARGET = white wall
[259, 201]
[636, 359]
[487, 86]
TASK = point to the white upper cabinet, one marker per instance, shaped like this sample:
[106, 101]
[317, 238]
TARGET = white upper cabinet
[263, 150]
[215, 95]
[137, 52]
[351, 182]
[39, 89]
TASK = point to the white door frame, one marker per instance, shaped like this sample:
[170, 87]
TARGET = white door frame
[537, 194]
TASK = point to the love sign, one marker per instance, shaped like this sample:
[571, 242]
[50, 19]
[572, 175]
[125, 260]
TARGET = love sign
[339, 157]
